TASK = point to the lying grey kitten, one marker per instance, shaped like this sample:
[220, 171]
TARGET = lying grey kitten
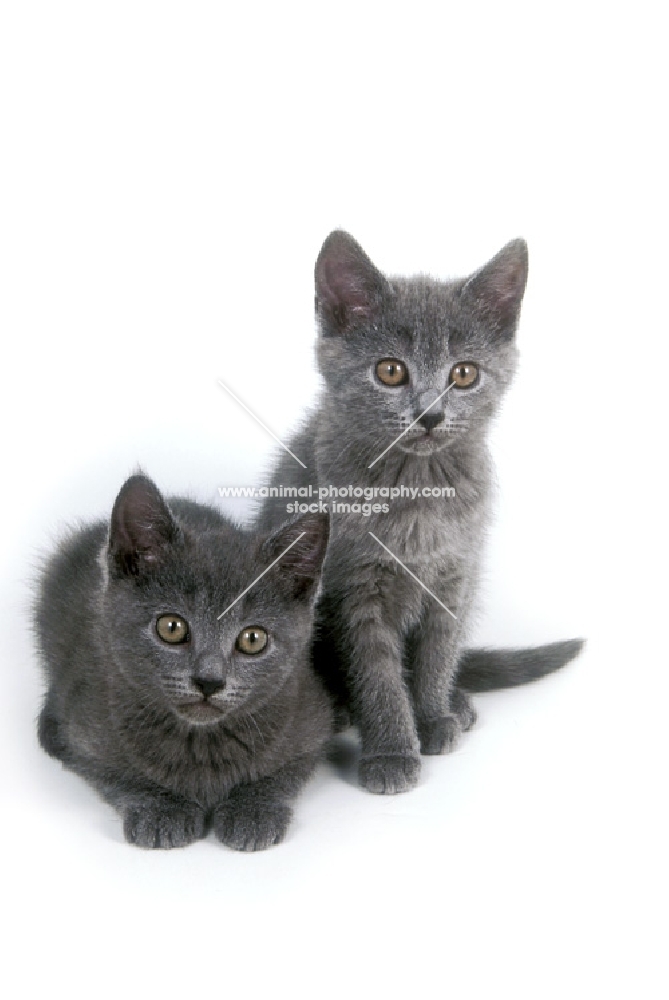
[177, 718]
[388, 348]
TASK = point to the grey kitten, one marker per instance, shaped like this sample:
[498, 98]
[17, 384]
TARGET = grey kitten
[388, 349]
[177, 718]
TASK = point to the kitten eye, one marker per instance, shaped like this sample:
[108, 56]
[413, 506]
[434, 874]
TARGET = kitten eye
[392, 372]
[252, 640]
[172, 629]
[464, 375]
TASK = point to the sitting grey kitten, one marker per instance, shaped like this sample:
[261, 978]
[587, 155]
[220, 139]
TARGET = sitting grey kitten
[388, 349]
[178, 718]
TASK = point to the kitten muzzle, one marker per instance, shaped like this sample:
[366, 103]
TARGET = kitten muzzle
[201, 711]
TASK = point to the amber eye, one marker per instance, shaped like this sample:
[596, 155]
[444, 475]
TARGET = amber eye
[252, 640]
[464, 375]
[172, 629]
[392, 372]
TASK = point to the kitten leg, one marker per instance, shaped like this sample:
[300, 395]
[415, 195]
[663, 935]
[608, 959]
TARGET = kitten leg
[390, 760]
[442, 711]
[152, 817]
[256, 815]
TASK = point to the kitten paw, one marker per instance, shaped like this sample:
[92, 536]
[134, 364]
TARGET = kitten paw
[462, 707]
[163, 825]
[388, 774]
[251, 826]
[439, 735]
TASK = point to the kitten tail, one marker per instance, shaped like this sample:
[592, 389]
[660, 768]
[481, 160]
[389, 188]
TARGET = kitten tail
[490, 669]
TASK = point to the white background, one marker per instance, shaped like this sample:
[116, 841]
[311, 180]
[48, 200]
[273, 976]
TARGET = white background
[167, 175]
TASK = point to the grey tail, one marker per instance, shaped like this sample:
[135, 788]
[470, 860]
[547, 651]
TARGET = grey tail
[490, 669]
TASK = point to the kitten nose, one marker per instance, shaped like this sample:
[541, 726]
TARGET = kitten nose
[209, 674]
[430, 420]
[431, 414]
[208, 686]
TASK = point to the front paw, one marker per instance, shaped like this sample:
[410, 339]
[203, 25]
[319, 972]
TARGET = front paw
[439, 735]
[388, 774]
[163, 825]
[250, 824]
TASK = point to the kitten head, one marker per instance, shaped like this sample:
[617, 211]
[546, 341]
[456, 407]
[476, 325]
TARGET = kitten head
[183, 634]
[390, 347]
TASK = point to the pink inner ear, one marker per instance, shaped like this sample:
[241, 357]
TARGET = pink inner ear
[347, 283]
[508, 286]
[343, 285]
[141, 524]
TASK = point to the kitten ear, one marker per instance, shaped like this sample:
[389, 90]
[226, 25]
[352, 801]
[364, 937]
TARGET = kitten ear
[141, 528]
[497, 288]
[348, 286]
[300, 566]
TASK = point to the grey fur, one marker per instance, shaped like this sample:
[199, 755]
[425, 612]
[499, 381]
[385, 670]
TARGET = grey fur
[388, 651]
[489, 669]
[180, 736]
